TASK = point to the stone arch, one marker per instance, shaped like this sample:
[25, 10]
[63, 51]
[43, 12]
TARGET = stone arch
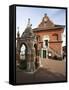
[23, 51]
[23, 43]
[26, 48]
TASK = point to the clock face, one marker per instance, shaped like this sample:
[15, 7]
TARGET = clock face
[45, 19]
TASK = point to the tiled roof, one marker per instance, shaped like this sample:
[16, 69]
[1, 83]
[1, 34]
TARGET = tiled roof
[49, 28]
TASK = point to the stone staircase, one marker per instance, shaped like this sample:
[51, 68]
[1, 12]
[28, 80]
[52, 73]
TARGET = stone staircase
[54, 52]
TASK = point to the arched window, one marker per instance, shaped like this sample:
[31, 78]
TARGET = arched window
[46, 41]
[38, 38]
[55, 37]
[23, 52]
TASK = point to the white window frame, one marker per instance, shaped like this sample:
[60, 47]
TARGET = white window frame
[45, 37]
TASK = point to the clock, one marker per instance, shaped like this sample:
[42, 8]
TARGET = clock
[45, 19]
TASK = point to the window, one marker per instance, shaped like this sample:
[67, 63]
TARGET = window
[55, 36]
[46, 43]
[38, 38]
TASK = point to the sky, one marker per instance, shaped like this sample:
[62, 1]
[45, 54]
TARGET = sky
[57, 16]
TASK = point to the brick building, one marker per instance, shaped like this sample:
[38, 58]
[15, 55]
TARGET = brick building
[49, 38]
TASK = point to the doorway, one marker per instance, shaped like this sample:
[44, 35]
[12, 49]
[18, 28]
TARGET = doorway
[44, 53]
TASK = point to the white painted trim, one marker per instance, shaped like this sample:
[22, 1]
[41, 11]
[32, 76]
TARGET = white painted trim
[42, 52]
[45, 37]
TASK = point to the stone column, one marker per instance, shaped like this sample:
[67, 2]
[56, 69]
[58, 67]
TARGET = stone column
[32, 59]
[17, 58]
[41, 58]
[28, 57]
[18, 53]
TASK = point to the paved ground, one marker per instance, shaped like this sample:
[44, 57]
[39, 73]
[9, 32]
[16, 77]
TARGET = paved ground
[55, 65]
[52, 70]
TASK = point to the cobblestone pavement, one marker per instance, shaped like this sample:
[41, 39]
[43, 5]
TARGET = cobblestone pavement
[50, 71]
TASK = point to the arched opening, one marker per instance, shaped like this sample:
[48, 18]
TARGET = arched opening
[23, 57]
[38, 38]
[23, 52]
[35, 46]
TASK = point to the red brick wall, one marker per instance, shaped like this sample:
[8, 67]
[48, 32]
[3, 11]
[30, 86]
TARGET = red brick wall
[55, 46]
